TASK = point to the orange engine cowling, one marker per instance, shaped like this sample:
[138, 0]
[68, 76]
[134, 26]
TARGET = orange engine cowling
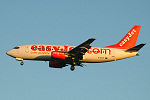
[56, 64]
[58, 55]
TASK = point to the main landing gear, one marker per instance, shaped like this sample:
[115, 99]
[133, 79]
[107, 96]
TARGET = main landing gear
[72, 68]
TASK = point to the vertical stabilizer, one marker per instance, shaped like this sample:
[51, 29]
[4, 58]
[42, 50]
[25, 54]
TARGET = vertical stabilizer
[129, 40]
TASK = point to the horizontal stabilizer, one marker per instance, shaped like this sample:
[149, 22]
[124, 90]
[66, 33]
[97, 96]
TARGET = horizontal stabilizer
[136, 48]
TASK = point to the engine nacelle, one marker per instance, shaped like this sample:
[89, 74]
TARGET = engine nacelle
[56, 64]
[58, 55]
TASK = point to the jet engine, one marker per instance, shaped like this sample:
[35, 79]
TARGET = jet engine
[58, 55]
[56, 64]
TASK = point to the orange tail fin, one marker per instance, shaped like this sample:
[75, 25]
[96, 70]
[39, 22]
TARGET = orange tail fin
[129, 40]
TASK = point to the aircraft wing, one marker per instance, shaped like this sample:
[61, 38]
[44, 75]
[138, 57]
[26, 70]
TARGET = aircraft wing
[81, 49]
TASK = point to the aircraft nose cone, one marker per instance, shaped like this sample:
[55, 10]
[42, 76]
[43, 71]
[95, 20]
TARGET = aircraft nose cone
[9, 53]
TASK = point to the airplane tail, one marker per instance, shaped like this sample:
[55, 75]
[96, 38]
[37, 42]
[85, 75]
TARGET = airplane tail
[129, 41]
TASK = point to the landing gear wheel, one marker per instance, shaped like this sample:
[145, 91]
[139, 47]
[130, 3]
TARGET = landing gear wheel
[72, 68]
[21, 63]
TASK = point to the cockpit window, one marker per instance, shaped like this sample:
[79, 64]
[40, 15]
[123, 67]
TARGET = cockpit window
[16, 47]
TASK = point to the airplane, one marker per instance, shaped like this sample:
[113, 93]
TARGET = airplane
[60, 56]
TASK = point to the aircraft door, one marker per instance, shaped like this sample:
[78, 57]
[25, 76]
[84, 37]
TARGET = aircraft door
[113, 55]
[26, 49]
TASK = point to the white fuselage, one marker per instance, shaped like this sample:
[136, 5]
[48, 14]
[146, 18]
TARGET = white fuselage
[60, 56]
[43, 53]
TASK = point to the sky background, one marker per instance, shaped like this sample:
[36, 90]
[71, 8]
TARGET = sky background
[62, 22]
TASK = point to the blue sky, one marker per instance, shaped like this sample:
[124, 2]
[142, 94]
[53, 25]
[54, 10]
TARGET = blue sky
[71, 22]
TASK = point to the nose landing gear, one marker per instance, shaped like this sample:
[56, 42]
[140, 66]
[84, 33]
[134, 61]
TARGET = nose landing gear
[20, 59]
[21, 63]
